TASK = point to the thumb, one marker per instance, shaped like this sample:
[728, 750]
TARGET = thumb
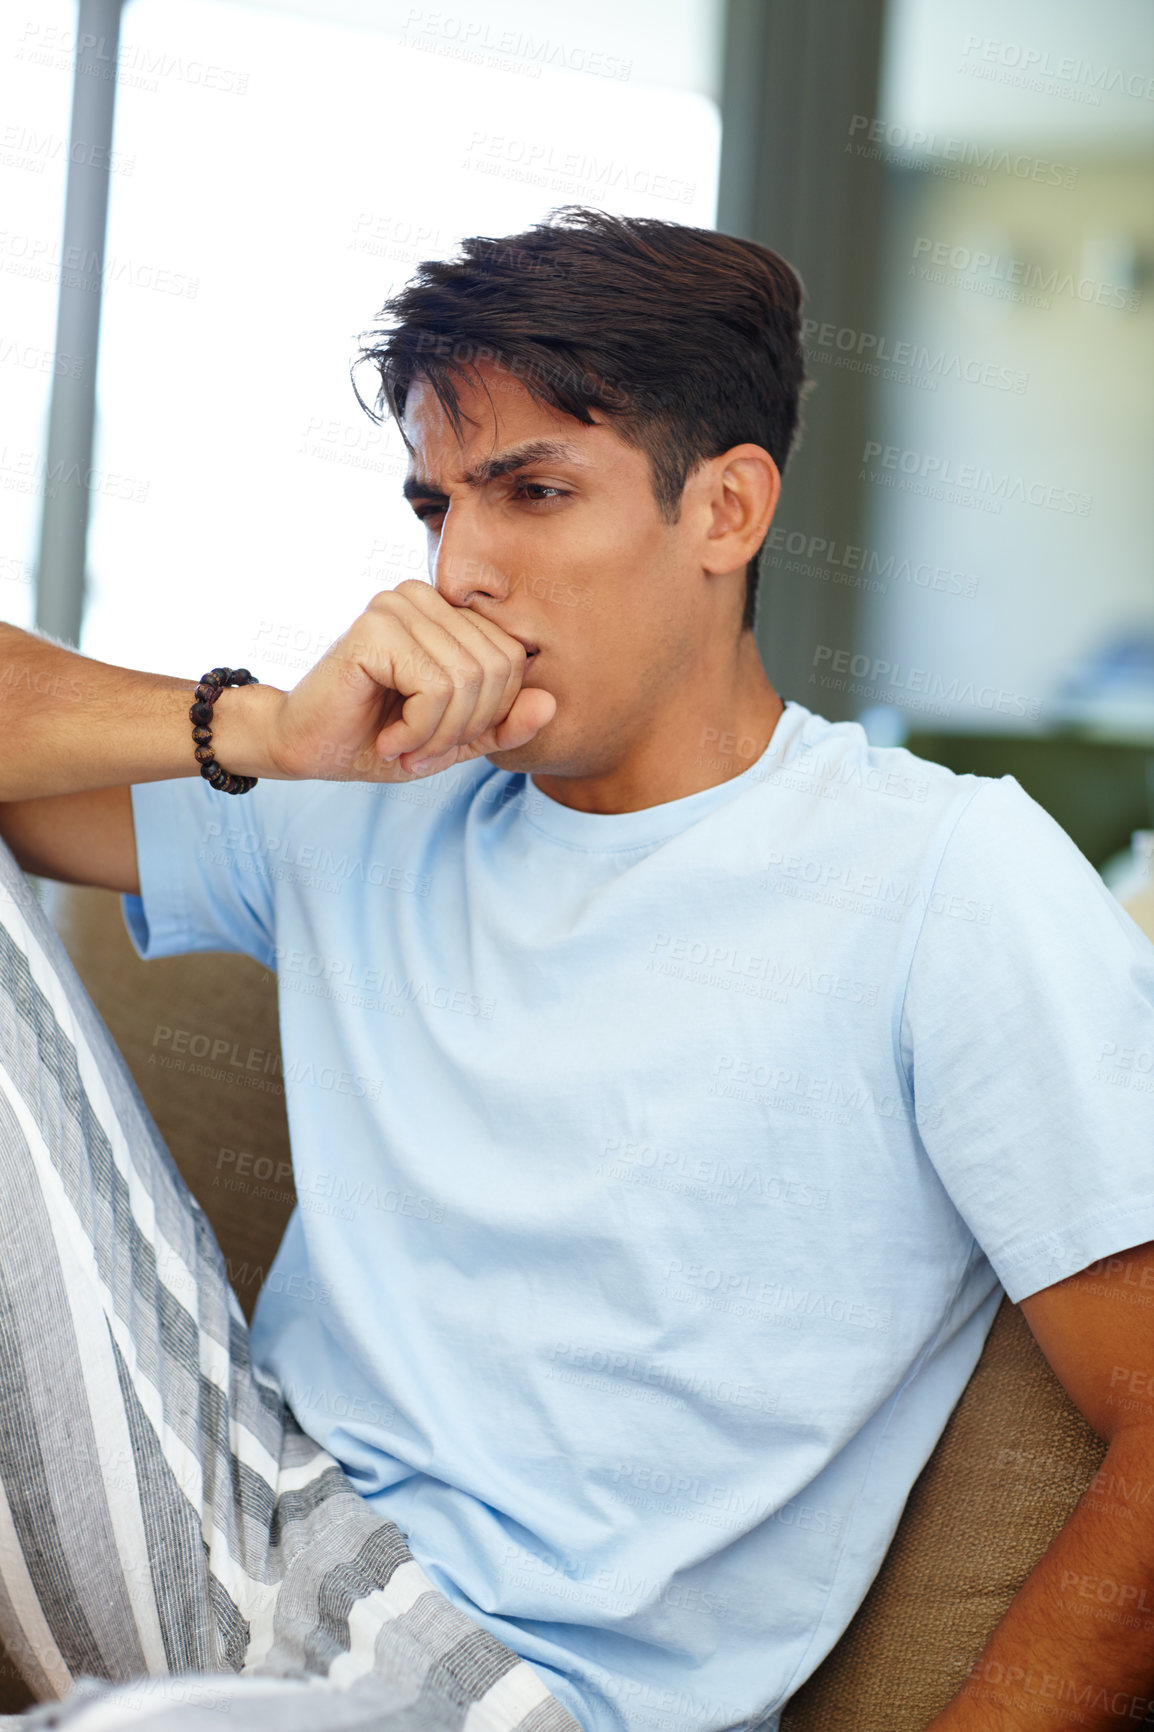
[528, 714]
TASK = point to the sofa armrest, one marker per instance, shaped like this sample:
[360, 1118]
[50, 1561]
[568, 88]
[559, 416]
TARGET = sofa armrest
[1012, 1462]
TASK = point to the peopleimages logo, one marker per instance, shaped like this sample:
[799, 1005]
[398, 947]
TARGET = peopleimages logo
[474, 38]
[131, 63]
[919, 142]
[982, 52]
[23, 147]
[950, 262]
[870, 347]
[863, 567]
[972, 478]
[885, 677]
[83, 268]
[531, 159]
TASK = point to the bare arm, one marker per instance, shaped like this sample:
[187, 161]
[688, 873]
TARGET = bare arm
[1075, 1643]
[70, 724]
[77, 733]
[413, 687]
[85, 838]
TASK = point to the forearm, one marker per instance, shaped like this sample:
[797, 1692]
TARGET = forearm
[70, 723]
[1077, 1641]
[412, 677]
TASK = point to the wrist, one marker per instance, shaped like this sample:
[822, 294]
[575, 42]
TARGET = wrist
[243, 723]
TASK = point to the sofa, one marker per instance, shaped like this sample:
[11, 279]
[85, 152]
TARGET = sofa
[200, 1035]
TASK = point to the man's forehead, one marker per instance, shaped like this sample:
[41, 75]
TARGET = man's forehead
[499, 433]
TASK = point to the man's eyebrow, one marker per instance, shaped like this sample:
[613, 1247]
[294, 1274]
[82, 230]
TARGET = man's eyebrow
[504, 463]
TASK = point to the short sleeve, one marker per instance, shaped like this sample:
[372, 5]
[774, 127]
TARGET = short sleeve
[1028, 1034]
[203, 864]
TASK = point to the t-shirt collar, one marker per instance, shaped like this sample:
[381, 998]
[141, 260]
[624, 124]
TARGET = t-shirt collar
[611, 832]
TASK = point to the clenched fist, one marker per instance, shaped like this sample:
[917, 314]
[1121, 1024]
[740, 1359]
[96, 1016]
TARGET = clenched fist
[413, 687]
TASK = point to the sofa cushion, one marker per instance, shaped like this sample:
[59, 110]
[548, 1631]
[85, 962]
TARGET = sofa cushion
[200, 1035]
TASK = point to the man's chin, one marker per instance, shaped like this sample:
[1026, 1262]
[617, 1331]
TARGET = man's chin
[534, 755]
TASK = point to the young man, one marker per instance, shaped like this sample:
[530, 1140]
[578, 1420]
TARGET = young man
[711, 1073]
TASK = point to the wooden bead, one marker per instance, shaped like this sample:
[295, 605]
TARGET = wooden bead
[208, 690]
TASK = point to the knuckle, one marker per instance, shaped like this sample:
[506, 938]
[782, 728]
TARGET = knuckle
[469, 676]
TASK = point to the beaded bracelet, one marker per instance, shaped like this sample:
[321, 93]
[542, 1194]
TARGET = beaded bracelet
[200, 715]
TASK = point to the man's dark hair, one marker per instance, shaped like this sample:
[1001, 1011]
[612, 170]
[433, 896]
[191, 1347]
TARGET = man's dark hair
[686, 339]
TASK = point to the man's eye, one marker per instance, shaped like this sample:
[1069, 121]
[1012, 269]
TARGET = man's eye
[541, 487]
[523, 490]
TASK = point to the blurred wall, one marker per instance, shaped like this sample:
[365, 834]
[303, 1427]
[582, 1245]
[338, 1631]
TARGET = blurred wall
[968, 194]
[793, 75]
[1016, 261]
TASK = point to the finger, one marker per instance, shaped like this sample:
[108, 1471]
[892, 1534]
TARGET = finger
[531, 710]
[421, 711]
[486, 677]
[502, 662]
[513, 654]
[439, 679]
[381, 654]
[501, 656]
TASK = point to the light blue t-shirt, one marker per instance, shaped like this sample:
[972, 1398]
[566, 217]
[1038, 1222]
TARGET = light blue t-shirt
[657, 1171]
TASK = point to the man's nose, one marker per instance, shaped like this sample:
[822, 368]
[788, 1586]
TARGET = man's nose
[464, 567]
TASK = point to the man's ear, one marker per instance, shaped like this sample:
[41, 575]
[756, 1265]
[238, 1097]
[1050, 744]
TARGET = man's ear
[739, 490]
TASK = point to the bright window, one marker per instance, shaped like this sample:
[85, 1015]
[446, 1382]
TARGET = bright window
[36, 47]
[288, 173]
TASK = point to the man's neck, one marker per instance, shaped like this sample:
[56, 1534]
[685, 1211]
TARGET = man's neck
[697, 746]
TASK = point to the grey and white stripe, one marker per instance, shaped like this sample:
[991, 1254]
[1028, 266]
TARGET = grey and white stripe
[163, 1518]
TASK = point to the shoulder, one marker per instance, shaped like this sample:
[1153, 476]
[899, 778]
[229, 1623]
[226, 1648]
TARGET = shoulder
[983, 836]
[879, 794]
[1006, 839]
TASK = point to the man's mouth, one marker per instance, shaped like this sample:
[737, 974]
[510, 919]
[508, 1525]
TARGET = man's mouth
[530, 648]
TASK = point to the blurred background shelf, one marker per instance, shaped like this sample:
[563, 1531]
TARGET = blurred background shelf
[1100, 791]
